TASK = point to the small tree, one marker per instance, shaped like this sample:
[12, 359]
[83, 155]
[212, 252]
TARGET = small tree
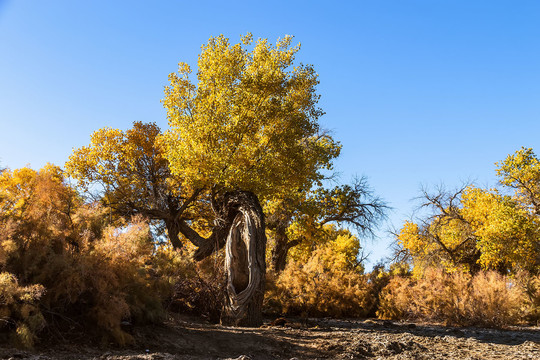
[297, 218]
[473, 228]
[127, 170]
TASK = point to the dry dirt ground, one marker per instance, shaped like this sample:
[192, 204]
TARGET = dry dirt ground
[190, 338]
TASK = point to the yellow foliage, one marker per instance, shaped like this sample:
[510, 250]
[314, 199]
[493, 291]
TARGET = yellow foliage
[344, 246]
[250, 121]
[326, 282]
[440, 243]
[507, 234]
[521, 171]
[485, 230]
[409, 238]
[127, 166]
[18, 307]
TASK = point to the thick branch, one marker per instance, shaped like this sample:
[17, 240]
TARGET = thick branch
[227, 208]
[186, 203]
[190, 234]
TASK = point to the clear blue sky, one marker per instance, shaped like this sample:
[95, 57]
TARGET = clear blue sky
[418, 92]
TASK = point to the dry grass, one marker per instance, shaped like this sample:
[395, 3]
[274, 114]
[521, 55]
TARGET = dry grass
[486, 299]
[319, 287]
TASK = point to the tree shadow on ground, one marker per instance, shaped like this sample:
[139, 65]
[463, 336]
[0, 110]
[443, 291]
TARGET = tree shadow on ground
[509, 336]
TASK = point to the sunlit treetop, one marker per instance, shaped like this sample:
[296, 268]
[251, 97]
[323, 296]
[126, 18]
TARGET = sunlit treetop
[128, 171]
[521, 171]
[14, 189]
[507, 234]
[249, 122]
[25, 187]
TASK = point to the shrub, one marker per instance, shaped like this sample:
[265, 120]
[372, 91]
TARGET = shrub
[19, 311]
[496, 300]
[377, 279]
[486, 299]
[531, 287]
[193, 287]
[100, 281]
[95, 272]
[324, 285]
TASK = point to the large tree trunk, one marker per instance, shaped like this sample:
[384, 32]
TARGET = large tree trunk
[240, 227]
[245, 262]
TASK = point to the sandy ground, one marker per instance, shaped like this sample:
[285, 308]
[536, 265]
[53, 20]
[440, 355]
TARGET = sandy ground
[190, 338]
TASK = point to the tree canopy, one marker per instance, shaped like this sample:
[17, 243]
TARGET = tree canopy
[250, 122]
[521, 172]
[129, 173]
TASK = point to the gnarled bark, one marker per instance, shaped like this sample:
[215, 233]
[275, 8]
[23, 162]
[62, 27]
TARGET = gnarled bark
[245, 264]
[239, 226]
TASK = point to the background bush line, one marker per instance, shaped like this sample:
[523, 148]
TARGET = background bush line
[67, 259]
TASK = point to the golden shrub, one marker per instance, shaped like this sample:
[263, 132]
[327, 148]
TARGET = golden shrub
[19, 312]
[96, 272]
[324, 285]
[486, 299]
[530, 284]
[108, 280]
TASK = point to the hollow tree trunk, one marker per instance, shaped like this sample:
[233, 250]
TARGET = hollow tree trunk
[240, 227]
[245, 262]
